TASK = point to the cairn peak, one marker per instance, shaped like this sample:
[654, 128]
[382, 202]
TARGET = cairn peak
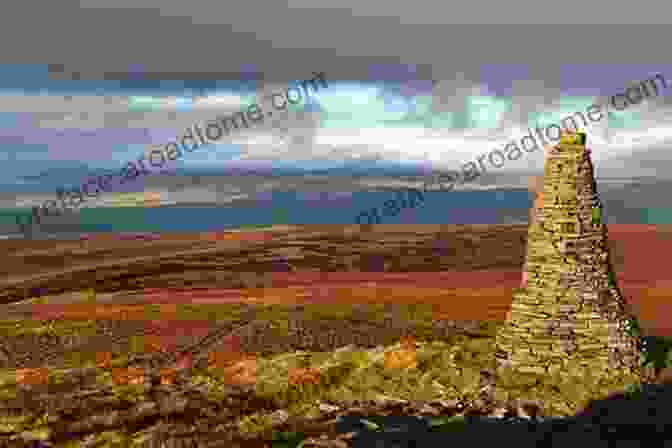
[569, 310]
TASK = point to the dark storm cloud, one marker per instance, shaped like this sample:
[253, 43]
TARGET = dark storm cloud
[203, 40]
[68, 138]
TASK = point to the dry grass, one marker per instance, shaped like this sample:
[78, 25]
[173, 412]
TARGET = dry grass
[297, 383]
[405, 357]
[32, 376]
[128, 375]
[103, 359]
[415, 369]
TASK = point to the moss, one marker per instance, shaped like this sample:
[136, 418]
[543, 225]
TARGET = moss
[286, 439]
[41, 433]
[14, 423]
[632, 390]
[633, 328]
[658, 352]
[77, 358]
[338, 374]
[255, 423]
[597, 216]
[12, 328]
[130, 393]
[90, 295]
[447, 424]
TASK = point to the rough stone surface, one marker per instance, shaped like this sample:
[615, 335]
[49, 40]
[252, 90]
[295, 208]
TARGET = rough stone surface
[569, 309]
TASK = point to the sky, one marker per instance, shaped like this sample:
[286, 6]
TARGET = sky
[89, 85]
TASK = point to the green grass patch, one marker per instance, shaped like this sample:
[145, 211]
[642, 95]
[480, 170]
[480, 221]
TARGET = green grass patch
[285, 439]
[9, 328]
[447, 424]
[77, 358]
[658, 351]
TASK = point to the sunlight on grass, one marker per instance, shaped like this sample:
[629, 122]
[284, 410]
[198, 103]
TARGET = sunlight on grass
[411, 370]
[414, 369]
[38, 327]
[436, 370]
[299, 380]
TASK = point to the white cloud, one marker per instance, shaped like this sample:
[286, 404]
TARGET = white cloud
[347, 125]
[219, 100]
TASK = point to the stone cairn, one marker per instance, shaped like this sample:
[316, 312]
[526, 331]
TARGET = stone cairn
[569, 311]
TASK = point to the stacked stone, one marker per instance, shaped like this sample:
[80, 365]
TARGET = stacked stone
[569, 311]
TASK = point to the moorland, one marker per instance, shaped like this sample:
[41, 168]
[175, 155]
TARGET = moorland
[243, 338]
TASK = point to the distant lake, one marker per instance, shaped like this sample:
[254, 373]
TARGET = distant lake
[277, 208]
